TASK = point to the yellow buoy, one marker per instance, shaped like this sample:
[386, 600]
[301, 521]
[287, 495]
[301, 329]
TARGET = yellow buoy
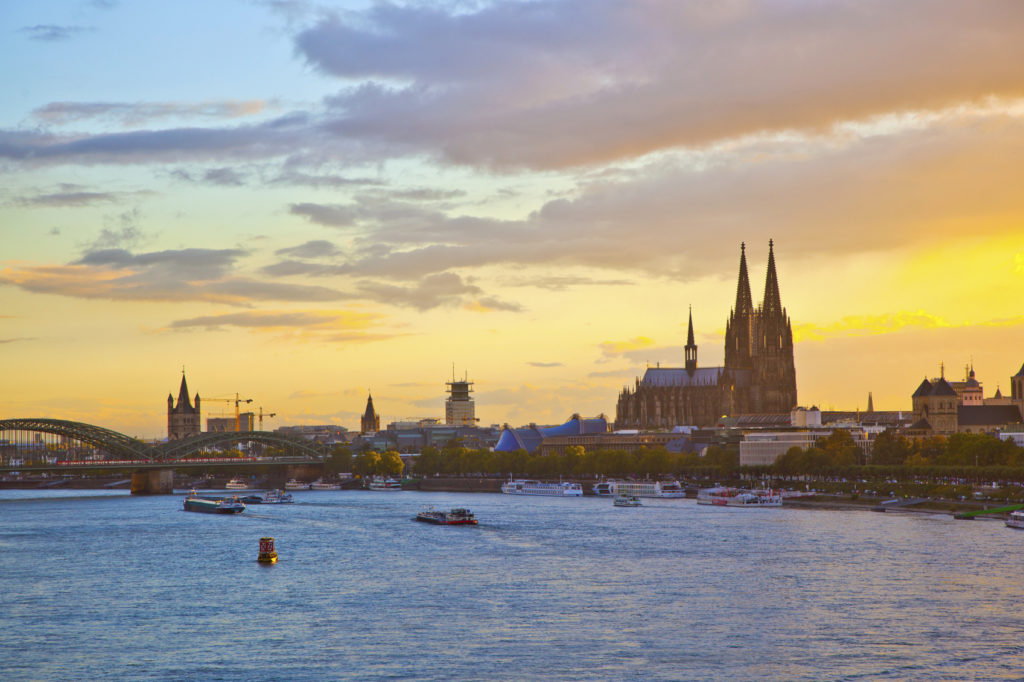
[268, 555]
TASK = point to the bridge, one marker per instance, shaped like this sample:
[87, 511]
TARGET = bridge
[37, 444]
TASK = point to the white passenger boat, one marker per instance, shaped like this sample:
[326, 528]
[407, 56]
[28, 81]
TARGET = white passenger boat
[237, 484]
[736, 497]
[606, 488]
[1015, 519]
[639, 488]
[321, 484]
[626, 501]
[385, 484]
[522, 486]
[294, 484]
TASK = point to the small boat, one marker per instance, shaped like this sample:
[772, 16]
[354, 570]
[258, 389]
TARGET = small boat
[269, 497]
[294, 484]
[385, 484]
[735, 497]
[237, 484]
[626, 501]
[212, 505]
[454, 517]
[524, 486]
[321, 484]
[1015, 519]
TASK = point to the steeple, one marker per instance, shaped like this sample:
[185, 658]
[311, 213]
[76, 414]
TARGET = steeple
[744, 304]
[183, 394]
[772, 301]
[871, 403]
[370, 422]
[691, 348]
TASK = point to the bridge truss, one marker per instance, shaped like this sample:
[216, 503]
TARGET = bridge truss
[117, 446]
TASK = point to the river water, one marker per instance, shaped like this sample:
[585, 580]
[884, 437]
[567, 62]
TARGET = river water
[102, 585]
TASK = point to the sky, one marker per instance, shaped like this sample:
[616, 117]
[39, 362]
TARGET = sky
[302, 202]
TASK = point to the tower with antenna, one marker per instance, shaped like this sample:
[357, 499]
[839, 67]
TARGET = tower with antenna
[459, 408]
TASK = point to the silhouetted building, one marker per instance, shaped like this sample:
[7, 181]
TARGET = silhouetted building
[459, 409]
[370, 423]
[183, 418]
[759, 375]
[944, 408]
[246, 422]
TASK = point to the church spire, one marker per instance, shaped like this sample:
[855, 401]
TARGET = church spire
[772, 301]
[183, 393]
[744, 304]
[691, 348]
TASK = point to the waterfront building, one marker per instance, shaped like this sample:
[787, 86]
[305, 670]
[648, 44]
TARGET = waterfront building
[762, 448]
[944, 408]
[530, 437]
[370, 423]
[459, 408]
[183, 419]
[759, 375]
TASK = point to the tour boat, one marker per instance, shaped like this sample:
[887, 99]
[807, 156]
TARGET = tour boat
[237, 484]
[454, 517]
[606, 488]
[294, 484]
[735, 497]
[613, 487]
[269, 497]
[522, 486]
[321, 484]
[212, 505]
[626, 501]
[385, 484]
[1015, 519]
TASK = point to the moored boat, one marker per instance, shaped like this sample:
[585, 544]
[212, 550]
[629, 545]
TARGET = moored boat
[1015, 519]
[522, 486]
[454, 517]
[237, 484]
[735, 497]
[606, 488]
[269, 497]
[295, 484]
[385, 484]
[649, 488]
[212, 505]
[321, 484]
[626, 501]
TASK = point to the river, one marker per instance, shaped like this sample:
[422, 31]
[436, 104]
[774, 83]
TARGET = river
[103, 585]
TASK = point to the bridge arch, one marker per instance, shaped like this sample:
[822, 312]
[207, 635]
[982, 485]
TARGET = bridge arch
[112, 442]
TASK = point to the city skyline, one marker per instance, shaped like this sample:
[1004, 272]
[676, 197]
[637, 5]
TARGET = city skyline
[302, 201]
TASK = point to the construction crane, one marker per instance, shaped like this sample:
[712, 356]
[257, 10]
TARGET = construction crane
[262, 415]
[236, 400]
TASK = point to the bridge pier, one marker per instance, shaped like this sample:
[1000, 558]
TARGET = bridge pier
[153, 482]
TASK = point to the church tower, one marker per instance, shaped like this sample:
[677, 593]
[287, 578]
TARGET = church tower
[773, 382]
[182, 419]
[370, 423]
[691, 349]
[738, 327]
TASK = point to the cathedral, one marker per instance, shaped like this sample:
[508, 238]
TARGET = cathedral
[758, 377]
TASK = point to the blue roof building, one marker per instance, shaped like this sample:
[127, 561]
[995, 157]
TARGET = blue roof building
[529, 438]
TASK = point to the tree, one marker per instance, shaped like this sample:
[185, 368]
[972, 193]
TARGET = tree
[890, 448]
[390, 464]
[340, 460]
[429, 462]
[366, 462]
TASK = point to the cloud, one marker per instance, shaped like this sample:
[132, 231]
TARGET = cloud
[563, 282]
[318, 248]
[54, 33]
[888, 323]
[338, 326]
[69, 199]
[432, 291]
[546, 364]
[490, 304]
[142, 113]
[600, 80]
[170, 275]
[16, 339]
[224, 177]
[616, 348]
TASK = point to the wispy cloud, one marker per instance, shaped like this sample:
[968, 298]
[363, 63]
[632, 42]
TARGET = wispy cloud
[546, 364]
[888, 323]
[615, 348]
[54, 32]
[142, 113]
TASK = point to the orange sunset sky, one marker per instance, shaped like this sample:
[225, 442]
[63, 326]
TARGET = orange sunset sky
[304, 201]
